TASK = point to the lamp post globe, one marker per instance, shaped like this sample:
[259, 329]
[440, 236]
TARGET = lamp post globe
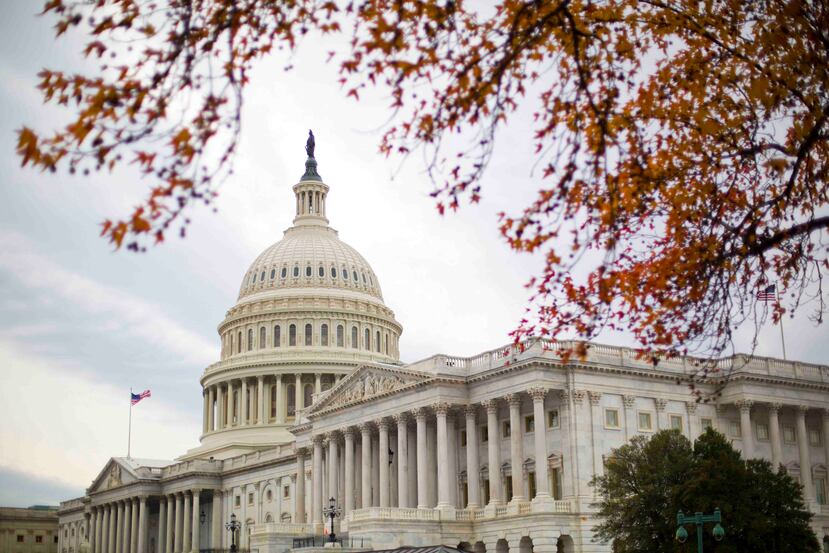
[681, 534]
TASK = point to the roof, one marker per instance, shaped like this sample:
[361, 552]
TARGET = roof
[134, 463]
[424, 549]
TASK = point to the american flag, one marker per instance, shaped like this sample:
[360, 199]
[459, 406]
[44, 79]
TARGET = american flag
[135, 398]
[767, 293]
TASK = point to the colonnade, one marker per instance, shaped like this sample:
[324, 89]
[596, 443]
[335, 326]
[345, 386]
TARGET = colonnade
[748, 437]
[425, 441]
[260, 399]
[119, 526]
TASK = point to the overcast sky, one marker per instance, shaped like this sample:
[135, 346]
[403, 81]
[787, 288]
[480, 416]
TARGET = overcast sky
[80, 324]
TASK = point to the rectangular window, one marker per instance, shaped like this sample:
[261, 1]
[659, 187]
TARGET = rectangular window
[789, 435]
[286, 492]
[250, 498]
[552, 419]
[531, 484]
[762, 431]
[645, 421]
[463, 438]
[814, 437]
[676, 422]
[38, 539]
[611, 418]
[734, 429]
[506, 431]
[706, 424]
[464, 493]
[19, 538]
[508, 486]
[820, 491]
[486, 491]
[238, 501]
[555, 483]
[484, 434]
[529, 425]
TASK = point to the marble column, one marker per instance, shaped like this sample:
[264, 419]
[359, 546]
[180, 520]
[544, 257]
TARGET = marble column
[349, 471]
[693, 420]
[299, 515]
[93, 536]
[516, 446]
[210, 412]
[662, 422]
[317, 384]
[826, 435]
[542, 487]
[298, 395]
[331, 461]
[774, 435]
[220, 409]
[375, 471]
[119, 527]
[142, 525]
[134, 526]
[260, 402]
[412, 462]
[206, 398]
[365, 465]
[422, 475]
[185, 535]
[473, 463]
[179, 532]
[113, 516]
[383, 460]
[805, 461]
[596, 425]
[745, 428]
[494, 460]
[452, 452]
[127, 526]
[218, 522]
[316, 474]
[243, 403]
[99, 529]
[402, 460]
[280, 401]
[172, 529]
[441, 409]
[196, 521]
[631, 428]
[232, 405]
[162, 517]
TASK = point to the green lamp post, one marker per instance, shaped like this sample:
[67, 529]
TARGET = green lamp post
[699, 520]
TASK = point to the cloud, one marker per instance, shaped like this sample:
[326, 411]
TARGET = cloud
[121, 311]
[65, 424]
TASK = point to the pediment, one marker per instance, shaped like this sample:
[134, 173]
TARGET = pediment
[114, 475]
[369, 382]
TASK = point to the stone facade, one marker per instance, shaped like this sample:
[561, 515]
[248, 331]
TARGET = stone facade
[494, 452]
[35, 530]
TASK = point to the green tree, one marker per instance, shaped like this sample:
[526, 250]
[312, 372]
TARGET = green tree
[648, 480]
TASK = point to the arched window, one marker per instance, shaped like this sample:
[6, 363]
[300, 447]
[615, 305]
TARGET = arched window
[273, 273]
[284, 272]
[324, 335]
[277, 336]
[308, 270]
[262, 333]
[354, 274]
[273, 401]
[367, 339]
[262, 277]
[290, 391]
[345, 273]
[321, 271]
[364, 277]
[387, 343]
[333, 272]
[296, 271]
[292, 335]
[250, 339]
[308, 392]
[354, 337]
[377, 341]
[239, 343]
[340, 338]
[308, 331]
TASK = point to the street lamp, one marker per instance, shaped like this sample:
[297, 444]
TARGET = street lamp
[332, 511]
[234, 527]
[391, 457]
[699, 520]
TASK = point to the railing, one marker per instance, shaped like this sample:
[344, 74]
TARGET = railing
[393, 513]
[320, 541]
[225, 550]
[560, 506]
[290, 528]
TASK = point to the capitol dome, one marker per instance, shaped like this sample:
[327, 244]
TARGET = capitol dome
[309, 312]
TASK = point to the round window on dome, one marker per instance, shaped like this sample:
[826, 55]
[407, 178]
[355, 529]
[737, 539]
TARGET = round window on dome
[308, 271]
[296, 271]
[364, 277]
[284, 272]
[253, 278]
[322, 271]
[262, 277]
[345, 273]
[273, 273]
[333, 272]
[354, 274]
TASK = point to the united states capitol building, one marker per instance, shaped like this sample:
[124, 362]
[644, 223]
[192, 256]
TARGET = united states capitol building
[491, 453]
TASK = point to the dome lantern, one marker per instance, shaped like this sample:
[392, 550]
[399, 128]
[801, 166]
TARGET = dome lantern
[310, 191]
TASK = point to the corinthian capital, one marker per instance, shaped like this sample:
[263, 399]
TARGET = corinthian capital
[538, 393]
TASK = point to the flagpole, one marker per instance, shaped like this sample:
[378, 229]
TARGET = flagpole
[129, 428]
[782, 337]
